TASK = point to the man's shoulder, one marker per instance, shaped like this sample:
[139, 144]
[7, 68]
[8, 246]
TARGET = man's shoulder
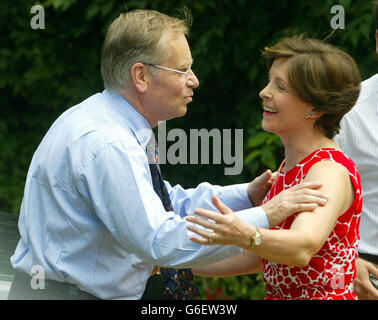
[85, 129]
[369, 88]
[92, 119]
[366, 101]
[370, 81]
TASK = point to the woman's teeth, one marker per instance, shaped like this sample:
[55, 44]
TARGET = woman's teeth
[269, 109]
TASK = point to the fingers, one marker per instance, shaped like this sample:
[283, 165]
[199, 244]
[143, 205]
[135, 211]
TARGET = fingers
[204, 234]
[207, 214]
[202, 222]
[299, 198]
[217, 219]
[266, 176]
[305, 194]
[373, 270]
[301, 203]
[363, 286]
[301, 207]
[366, 290]
[317, 199]
[371, 290]
[221, 206]
[309, 185]
[200, 241]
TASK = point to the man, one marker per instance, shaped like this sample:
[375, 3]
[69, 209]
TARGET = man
[96, 216]
[359, 138]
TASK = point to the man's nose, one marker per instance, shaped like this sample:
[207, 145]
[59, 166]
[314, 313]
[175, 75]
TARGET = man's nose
[192, 80]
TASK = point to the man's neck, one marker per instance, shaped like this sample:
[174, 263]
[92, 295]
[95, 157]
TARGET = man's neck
[137, 103]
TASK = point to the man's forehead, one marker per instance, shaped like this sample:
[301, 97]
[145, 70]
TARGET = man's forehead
[180, 50]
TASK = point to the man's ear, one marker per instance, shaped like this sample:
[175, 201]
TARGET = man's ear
[140, 76]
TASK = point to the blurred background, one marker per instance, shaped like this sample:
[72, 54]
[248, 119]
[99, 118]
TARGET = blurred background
[43, 72]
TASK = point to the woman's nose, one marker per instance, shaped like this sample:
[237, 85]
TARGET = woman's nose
[264, 93]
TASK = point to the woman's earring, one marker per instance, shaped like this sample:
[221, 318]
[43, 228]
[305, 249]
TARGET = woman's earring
[308, 116]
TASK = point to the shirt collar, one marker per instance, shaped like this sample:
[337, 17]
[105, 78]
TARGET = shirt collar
[128, 116]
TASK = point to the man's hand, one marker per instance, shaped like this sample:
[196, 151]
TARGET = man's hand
[362, 284]
[301, 197]
[259, 187]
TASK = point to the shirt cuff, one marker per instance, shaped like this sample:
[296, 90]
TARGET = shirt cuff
[254, 216]
[236, 196]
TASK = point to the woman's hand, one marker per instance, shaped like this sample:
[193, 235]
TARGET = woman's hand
[227, 227]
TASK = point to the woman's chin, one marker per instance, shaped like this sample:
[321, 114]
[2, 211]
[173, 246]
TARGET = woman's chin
[267, 128]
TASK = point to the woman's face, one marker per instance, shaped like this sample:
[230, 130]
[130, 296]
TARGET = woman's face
[284, 112]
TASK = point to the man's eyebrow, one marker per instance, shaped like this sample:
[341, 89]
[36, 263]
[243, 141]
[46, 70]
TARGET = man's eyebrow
[186, 65]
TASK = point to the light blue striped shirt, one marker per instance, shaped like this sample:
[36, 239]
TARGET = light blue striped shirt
[90, 216]
[359, 139]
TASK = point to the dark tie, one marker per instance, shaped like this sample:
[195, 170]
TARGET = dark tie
[176, 284]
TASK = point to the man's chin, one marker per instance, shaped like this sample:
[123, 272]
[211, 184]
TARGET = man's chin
[179, 112]
[182, 111]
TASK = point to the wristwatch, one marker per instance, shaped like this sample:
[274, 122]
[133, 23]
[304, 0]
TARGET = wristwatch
[256, 239]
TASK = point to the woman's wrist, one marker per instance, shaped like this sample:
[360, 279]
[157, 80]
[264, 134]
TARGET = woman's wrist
[248, 238]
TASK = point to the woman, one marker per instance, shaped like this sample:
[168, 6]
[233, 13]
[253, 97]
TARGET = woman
[310, 255]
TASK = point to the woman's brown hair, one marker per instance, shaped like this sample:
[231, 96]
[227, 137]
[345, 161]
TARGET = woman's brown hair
[320, 74]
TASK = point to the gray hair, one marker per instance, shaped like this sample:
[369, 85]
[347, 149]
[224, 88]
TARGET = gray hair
[137, 36]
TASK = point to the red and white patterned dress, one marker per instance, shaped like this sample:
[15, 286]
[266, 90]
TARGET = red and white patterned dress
[330, 273]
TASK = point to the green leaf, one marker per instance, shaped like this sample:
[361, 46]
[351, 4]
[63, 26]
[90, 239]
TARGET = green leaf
[365, 30]
[258, 140]
[268, 158]
[251, 156]
[92, 11]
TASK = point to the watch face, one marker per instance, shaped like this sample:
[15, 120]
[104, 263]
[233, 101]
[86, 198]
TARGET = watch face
[258, 241]
[257, 238]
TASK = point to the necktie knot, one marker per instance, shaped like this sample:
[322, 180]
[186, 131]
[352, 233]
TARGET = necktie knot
[153, 152]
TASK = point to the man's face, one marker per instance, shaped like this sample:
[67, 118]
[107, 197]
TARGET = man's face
[170, 92]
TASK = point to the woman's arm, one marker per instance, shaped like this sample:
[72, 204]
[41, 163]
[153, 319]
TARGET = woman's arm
[245, 263]
[308, 232]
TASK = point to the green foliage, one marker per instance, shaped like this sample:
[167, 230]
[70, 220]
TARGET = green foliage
[248, 287]
[265, 150]
[44, 72]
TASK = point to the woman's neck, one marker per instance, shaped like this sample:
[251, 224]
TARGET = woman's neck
[299, 146]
